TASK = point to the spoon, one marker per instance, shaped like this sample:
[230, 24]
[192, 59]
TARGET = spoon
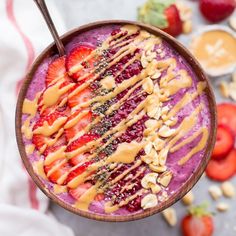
[44, 11]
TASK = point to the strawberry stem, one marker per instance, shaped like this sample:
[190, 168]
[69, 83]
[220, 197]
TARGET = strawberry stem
[200, 210]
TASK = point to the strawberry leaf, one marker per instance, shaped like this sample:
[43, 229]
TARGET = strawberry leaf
[199, 210]
[152, 12]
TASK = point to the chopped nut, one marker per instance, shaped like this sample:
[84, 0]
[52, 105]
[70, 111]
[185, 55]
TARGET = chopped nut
[148, 148]
[234, 76]
[156, 90]
[169, 215]
[215, 192]
[228, 189]
[163, 156]
[151, 123]
[153, 111]
[155, 188]
[164, 110]
[166, 132]
[170, 122]
[224, 89]
[156, 75]
[232, 22]
[222, 206]
[158, 169]
[232, 90]
[144, 61]
[165, 178]
[158, 144]
[149, 201]
[188, 198]
[148, 85]
[147, 159]
[151, 56]
[144, 34]
[187, 26]
[148, 179]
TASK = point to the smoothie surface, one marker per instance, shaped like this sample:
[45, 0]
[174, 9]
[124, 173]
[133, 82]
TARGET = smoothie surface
[119, 124]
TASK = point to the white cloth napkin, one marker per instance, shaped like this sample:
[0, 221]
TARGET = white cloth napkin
[23, 34]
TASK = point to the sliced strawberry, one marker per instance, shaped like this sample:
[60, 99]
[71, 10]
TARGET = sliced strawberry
[224, 169]
[198, 222]
[78, 159]
[174, 22]
[99, 197]
[50, 150]
[80, 190]
[79, 126]
[78, 57]
[56, 70]
[38, 140]
[50, 119]
[81, 97]
[61, 170]
[224, 142]
[78, 171]
[81, 141]
[226, 113]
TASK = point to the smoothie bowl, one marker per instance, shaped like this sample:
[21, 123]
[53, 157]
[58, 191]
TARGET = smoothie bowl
[119, 128]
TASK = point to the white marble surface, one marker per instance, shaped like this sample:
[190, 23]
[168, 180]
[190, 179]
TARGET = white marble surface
[78, 12]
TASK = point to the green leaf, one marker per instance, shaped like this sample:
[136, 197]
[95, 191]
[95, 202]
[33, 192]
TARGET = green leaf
[200, 210]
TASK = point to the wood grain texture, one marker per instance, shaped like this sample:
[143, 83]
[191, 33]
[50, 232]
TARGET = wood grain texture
[50, 50]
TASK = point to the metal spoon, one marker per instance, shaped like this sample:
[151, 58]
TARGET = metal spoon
[44, 10]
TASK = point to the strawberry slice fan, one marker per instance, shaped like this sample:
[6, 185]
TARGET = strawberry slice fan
[23, 206]
[222, 165]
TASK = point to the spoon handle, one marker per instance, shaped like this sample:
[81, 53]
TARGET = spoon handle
[44, 10]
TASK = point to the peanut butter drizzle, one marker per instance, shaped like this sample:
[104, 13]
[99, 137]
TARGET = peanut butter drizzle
[47, 129]
[29, 149]
[75, 120]
[38, 168]
[109, 208]
[121, 176]
[196, 149]
[170, 86]
[50, 142]
[175, 85]
[26, 128]
[53, 93]
[117, 105]
[125, 153]
[187, 124]
[58, 154]
[30, 108]
[187, 98]
[59, 189]
[87, 198]
[129, 185]
[186, 141]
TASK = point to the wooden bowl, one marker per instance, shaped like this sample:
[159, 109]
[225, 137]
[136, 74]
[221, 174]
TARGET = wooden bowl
[50, 50]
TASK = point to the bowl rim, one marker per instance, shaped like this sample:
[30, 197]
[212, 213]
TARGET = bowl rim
[50, 50]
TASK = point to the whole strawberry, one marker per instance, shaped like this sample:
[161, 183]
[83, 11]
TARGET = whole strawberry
[198, 222]
[162, 14]
[217, 10]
